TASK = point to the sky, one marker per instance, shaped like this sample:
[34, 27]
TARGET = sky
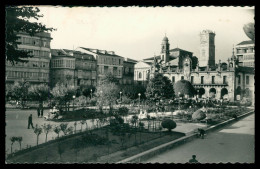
[137, 32]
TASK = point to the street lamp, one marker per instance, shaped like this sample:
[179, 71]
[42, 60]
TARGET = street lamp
[179, 94]
[120, 98]
[139, 94]
[73, 100]
[91, 93]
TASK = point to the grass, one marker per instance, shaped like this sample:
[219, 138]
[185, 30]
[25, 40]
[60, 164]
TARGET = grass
[94, 153]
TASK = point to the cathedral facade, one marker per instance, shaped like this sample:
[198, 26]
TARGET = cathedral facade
[227, 80]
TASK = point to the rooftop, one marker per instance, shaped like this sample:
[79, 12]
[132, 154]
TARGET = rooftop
[101, 52]
[178, 49]
[248, 42]
[60, 52]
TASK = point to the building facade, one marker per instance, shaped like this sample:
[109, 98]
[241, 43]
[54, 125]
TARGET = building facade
[36, 70]
[245, 53]
[128, 71]
[207, 78]
[107, 62]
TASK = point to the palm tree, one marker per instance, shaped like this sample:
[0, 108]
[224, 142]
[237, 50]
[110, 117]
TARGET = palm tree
[20, 139]
[46, 129]
[82, 122]
[37, 130]
[13, 139]
[57, 130]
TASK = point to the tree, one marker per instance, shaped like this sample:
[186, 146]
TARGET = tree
[46, 129]
[63, 127]
[39, 92]
[158, 88]
[20, 139]
[86, 90]
[63, 94]
[123, 111]
[37, 130]
[57, 130]
[19, 91]
[13, 140]
[184, 87]
[107, 94]
[109, 78]
[19, 19]
[134, 121]
[82, 122]
[169, 124]
[75, 126]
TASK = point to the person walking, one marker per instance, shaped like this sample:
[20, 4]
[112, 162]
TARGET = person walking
[202, 133]
[193, 160]
[30, 123]
[38, 112]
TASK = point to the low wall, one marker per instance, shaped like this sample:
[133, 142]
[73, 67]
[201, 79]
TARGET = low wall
[164, 147]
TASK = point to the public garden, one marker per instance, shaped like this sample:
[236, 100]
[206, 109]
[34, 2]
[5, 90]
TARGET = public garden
[107, 123]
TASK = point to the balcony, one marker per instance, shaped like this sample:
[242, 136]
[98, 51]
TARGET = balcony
[209, 84]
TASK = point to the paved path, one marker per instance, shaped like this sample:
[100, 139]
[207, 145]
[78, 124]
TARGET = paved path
[16, 125]
[234, 143]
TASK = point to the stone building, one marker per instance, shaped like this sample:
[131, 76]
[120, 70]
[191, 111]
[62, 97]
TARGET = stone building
[107, 62]
[245, 53]
[36, 70]
[62, 67]
[128, 71]
[209, 78]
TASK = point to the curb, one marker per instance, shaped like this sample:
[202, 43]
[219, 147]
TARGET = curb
[164, 147]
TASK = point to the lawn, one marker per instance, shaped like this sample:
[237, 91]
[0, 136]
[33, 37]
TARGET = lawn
[76, 149]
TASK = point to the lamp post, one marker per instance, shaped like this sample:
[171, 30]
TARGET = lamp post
[90, 93]
[139, 94]
[179, 94]
[73, 100]
[120, 98]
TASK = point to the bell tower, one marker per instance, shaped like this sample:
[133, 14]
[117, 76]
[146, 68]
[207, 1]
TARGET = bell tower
[207, 48]
[165, 50]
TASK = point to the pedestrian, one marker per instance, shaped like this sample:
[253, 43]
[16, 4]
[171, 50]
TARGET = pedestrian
[42, 112]
[202, 132]
[193, 160]
[38, 112]
[30, 123]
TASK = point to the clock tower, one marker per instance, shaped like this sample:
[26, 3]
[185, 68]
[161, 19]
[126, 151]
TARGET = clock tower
[207, 48]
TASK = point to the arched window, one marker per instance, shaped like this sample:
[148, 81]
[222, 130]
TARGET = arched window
[140, 75]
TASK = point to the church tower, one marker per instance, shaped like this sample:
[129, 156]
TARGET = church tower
[165, 50]
[207, 48]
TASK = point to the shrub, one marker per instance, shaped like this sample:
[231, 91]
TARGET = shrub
[169, 124]
[198, 115]
[184, 87]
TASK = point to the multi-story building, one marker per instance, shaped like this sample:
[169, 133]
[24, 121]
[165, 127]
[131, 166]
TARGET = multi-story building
[245, 53]
[62, 67]
[221, 80]
[128, 71]
[36, 70]
[107, 62]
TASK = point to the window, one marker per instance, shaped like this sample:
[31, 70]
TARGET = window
[202, 79]
[140, 75]
[247, 80]
[224, 79]
[239, 79]
[192, 79]
[173, 79]
[182, 77]
[213, 79]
